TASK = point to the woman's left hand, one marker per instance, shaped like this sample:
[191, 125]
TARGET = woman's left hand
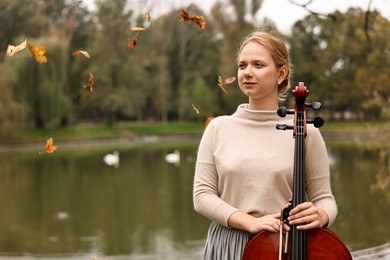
[307, 216]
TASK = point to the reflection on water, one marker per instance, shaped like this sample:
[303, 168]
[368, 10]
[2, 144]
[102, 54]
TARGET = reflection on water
[363, 210]
[71, 205]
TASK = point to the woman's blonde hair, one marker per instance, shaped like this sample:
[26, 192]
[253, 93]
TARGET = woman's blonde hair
[279, 54]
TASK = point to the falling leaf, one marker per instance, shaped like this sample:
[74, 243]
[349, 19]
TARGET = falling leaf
[208, 120]
[137, 29]
[49, 146]
[147, 17]
[195, 108]
[133, 42]
[197, 19]
[86, 54]
[12, 50]
[38, 52]
[230, 80]
[88, 87]
[221, 82]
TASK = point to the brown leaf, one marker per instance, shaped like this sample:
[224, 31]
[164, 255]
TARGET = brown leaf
[197, 19]
[38, 52]
[49, 146]
[230, 80]
[86, 54]
[222, 83]
[88, 87]
[147, 16]
[133, 42]
[208, 120]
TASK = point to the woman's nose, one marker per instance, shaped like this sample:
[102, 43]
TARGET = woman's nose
[248, 72]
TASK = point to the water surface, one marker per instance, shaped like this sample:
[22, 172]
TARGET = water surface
[70, 205]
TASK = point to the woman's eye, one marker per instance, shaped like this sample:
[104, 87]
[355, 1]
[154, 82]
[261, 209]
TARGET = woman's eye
[241, 66]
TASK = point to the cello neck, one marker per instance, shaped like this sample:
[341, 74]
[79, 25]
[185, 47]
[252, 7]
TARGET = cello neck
[299, 156]
[298, 237]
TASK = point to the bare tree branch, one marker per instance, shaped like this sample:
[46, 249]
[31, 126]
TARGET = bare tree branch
[305, 6]
[366, 21]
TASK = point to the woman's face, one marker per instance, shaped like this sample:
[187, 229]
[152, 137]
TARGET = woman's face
[258, 76]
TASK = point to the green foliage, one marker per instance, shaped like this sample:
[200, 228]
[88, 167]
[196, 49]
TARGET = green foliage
[11, 111]
[41, 86]
[204, 97]
[175, 64]
[342, 69]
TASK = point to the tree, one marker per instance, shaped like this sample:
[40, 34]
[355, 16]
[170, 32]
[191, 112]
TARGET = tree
[109, 53]
[176, 64]
[11, 111]
[372, 76]
[41, 86]
[191, 53]
[203, 98]
[331, 57]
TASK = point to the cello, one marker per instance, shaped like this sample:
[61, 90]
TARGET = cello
[318, 243]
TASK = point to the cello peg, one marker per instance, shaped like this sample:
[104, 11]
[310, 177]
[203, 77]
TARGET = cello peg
[314, 105]
[283, 111]
[317, 121]
[284, 127]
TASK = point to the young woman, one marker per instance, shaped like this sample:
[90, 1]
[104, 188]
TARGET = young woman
[244, 168]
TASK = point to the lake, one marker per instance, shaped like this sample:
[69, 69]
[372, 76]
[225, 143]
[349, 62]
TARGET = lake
[71, 205]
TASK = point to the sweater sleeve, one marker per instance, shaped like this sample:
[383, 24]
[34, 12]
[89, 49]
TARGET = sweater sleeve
[318, 175]
[205, 193]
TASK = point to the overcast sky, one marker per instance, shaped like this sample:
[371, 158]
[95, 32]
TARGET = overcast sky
[282, 12]
[285, 14]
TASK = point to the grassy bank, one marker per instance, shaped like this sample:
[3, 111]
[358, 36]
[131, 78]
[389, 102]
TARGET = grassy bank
[97, 131]
[133, 129]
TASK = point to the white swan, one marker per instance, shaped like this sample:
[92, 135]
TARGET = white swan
[112, 159]
[61, 215]
[173, 157]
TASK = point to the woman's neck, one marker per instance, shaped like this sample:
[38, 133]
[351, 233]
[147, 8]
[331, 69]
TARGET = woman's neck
[263, 105]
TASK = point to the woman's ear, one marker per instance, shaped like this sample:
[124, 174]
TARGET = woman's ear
[283, 71]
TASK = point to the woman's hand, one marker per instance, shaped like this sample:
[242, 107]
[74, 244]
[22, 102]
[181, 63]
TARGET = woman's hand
[254, 225]
[267, 222]
[307, 216]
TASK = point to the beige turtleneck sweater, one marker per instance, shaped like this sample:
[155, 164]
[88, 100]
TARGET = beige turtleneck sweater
[245, 164]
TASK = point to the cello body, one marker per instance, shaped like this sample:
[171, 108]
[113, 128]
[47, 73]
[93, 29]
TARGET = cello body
[322, 244]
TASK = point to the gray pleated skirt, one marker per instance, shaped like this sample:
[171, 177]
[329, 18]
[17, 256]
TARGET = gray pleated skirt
[225, 243]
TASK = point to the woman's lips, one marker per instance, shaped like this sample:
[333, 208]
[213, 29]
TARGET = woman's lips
[248, 84]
